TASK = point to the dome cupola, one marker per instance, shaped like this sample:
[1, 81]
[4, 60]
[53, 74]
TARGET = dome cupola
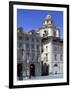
[48, 22]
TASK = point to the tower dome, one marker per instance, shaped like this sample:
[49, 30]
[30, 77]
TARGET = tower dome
[48, 17]
[48, 21]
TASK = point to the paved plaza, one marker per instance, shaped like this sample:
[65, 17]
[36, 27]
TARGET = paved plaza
[57, 76]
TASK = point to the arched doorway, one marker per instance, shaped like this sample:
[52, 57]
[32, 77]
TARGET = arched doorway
[20, 71]
[45, 69]
[32, 70]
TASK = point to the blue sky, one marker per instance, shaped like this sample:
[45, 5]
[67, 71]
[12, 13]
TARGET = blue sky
[32, 19]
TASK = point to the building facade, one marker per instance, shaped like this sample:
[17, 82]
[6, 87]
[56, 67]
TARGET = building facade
[40, 53]
[52, 47]
[28, 53]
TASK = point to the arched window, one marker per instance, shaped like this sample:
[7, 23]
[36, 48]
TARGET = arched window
[45, 33]
[55, 65]
[49, 22]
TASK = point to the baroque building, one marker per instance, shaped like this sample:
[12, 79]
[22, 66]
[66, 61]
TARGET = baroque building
[52, 47]
[40, 53]
[28, 53]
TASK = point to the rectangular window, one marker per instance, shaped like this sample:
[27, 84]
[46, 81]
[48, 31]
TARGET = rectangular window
[22, 52]
[27, 55]
[38, 56]
[46, 57]
[20, 45]
[33, 56]
[18, 56]
[19, 37]
[55, 48]
[42, 50]
[32, 46]
[27, 38]
[61, 57]
[37, 40]
[37, 47]
[46, 48]
[27, 45]
[55, 57]
[32, 39]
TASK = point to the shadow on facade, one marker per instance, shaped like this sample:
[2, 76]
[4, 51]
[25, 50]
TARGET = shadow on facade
[32, 70]
[45, 69]
[20, 71]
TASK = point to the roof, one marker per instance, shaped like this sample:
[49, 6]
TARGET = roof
[31, 33]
